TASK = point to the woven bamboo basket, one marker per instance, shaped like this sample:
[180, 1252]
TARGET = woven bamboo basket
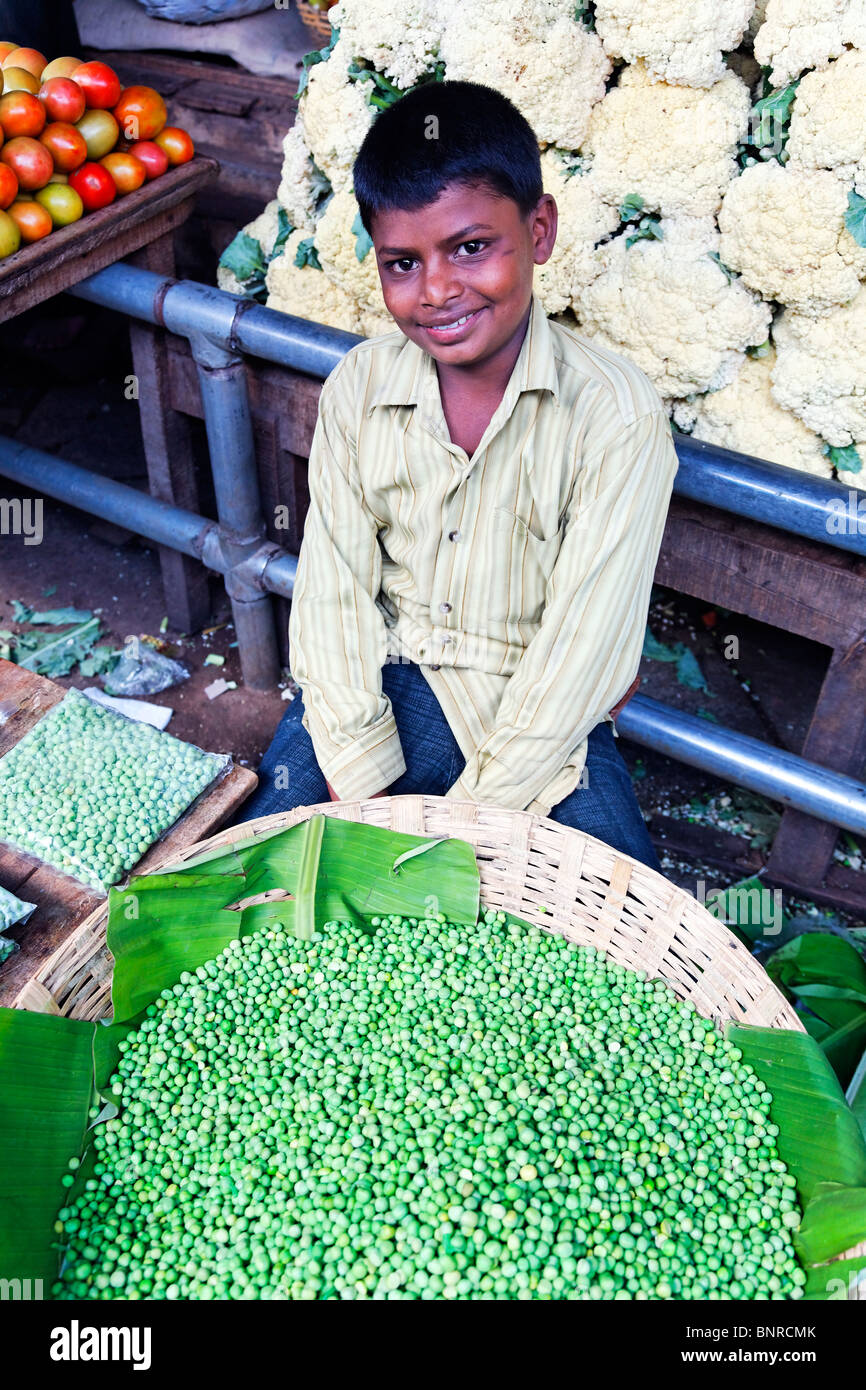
[317, 21]
[591, 894]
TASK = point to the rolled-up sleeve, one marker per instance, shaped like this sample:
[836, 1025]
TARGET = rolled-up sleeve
[586, 651]
[337, 635]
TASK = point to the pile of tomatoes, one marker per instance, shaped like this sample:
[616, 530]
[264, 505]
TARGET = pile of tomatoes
[72, 139]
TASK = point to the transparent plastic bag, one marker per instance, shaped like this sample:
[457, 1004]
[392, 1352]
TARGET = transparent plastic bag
[143, 671]
[87, 790]
[13, 912]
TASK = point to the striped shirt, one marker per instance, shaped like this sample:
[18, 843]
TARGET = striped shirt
[518, 580]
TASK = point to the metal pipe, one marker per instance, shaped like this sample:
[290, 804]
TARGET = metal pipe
[160, 522]
[236, 485]
[103, 497]
[816, 508]
[772, 772]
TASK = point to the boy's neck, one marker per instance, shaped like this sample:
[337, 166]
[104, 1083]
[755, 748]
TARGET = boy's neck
[489, 378]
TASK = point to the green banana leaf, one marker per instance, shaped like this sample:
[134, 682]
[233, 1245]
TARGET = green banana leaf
[46, 1072]
[819, 1138]
[836, 1280]
[844, 1046]
[836, 1006]
[818, 958]
[834, 1220]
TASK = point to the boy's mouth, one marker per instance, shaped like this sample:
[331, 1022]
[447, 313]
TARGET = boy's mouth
[455, 329]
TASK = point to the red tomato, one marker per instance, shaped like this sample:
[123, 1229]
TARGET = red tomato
[63, 99]
[140, 113]
[100, 132]
[60, 67]
[19, 80]
[154, 159]
[127, 171]
[28, 58]
[176, 144]
[8, 185]
[21, 113]
[32, 220]
[100, 84]
[29, 160]
[10, 236]
[5, 49]
[94, 186]
[65, 144]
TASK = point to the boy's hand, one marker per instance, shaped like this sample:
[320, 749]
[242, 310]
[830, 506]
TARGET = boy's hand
[333, 795]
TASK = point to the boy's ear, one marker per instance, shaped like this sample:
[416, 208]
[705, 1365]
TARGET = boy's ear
[544, 221]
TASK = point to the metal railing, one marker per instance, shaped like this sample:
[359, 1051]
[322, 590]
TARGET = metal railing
[222, 329]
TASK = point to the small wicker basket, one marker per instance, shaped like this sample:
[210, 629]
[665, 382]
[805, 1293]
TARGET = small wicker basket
[591, 893]
[317, 21]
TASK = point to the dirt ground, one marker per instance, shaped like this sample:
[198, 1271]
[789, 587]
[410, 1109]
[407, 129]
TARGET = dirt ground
[62, 370]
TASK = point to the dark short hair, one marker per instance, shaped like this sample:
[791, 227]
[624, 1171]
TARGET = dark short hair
[480, 137]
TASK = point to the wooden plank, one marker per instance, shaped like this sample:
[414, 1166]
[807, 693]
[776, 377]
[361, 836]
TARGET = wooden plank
[790, 583]
[62, 903]
[209, 94]
[803, 848]
[168, 453]
[71, 254]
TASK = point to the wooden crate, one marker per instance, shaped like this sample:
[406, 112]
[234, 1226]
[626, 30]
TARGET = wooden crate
[62, 903]
[38, 272]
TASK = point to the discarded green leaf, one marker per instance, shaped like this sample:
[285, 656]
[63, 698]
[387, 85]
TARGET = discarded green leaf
[214, 659]
[689, 672]
[49, 617]
[55, 654]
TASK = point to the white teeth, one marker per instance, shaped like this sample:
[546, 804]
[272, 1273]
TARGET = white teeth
[456, 324]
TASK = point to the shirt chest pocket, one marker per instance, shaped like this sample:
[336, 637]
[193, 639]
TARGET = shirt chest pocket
[523, 562]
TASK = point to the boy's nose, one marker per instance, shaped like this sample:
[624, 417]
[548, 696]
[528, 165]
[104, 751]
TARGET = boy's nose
[441, 287]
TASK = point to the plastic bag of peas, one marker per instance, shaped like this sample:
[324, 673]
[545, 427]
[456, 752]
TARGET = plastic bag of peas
[87, 790]
[12, 910]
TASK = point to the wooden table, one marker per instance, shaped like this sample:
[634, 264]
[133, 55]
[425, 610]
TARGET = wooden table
[61, 902]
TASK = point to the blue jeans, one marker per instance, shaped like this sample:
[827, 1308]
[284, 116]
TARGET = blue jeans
[606, 807]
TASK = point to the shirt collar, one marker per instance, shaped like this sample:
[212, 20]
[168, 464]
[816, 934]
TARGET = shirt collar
[534, 370]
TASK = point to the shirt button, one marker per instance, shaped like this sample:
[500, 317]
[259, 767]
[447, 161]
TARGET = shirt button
[434, 668]
[446, 641]
[445, 608]
[453, 535]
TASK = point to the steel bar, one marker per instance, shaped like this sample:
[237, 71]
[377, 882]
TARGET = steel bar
[747, 762]
[236, 486]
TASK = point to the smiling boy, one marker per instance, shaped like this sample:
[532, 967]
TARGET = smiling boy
[488, 492]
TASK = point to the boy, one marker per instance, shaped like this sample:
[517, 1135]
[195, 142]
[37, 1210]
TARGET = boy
[487, 498]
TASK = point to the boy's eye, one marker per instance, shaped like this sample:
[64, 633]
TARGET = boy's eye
[473, 247]
[401, 265]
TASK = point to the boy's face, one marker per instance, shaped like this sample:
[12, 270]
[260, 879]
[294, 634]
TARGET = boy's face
[468, 255]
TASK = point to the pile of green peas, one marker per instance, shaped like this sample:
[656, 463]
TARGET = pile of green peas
[429, 1110]
[88, 791]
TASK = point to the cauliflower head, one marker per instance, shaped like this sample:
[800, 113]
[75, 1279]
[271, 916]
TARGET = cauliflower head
[784, 230]
[681, 41]
[307, 292]
[399, 37]
[675, 146]
[819, 372]
[548, 64]
[584, 220]
[669, 307]
[801, 34]
[336, 245]
[301, 183]
[828, 119]
[744, 416]
[336, 116]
